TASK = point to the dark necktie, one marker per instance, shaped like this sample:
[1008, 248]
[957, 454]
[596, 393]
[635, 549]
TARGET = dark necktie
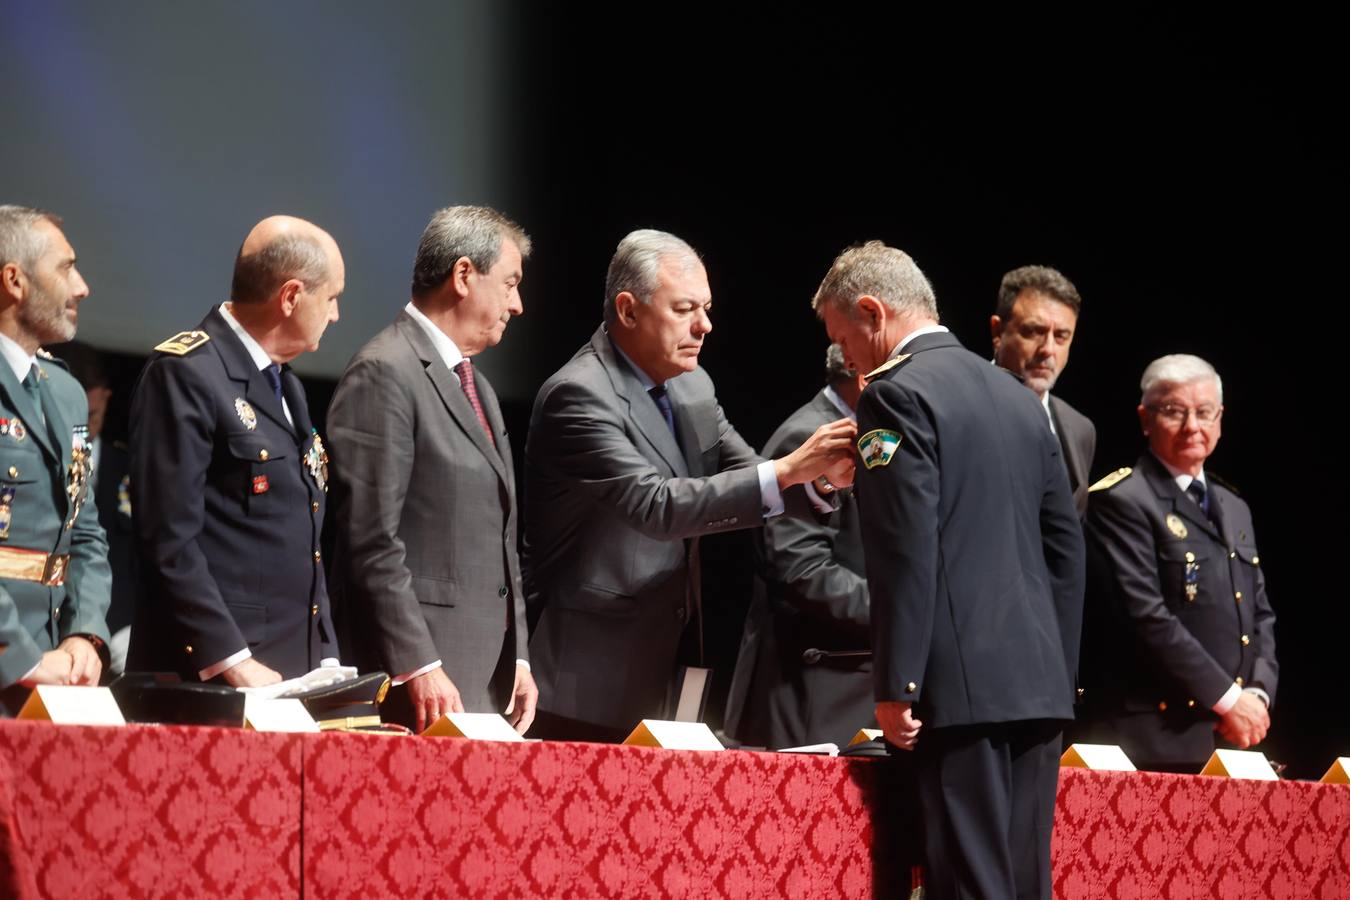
[1197, 492]
[663, 403]
[273, 375]
[464, 369]
[30, 384]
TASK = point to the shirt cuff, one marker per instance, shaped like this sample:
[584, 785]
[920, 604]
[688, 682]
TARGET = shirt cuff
[404, 679]
[1262, 695]
[1228, 700]
[524, 664]
[233, 659]
[771, 498]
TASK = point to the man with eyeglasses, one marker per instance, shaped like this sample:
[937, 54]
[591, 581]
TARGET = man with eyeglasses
[1179, 624]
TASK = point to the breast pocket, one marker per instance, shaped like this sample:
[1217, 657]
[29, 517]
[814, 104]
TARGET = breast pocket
[258, 470]
[1181, 569]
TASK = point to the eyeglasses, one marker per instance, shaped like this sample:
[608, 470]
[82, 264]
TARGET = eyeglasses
[1177, 415]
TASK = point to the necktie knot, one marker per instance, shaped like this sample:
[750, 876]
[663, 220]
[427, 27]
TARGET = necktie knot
[273, 375]
[1198, 494]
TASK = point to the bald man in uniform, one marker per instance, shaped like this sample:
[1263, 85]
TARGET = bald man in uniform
[229, 478]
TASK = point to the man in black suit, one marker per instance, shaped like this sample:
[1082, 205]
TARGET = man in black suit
[1033, 327]
[975, 570]
[810, 594]
[1187, 643]
[229, 478]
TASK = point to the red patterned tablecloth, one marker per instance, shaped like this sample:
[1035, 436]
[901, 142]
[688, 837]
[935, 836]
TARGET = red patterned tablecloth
[199, 812]
[148, 812]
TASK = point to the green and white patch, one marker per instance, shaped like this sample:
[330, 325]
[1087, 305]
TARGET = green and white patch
[877, 447]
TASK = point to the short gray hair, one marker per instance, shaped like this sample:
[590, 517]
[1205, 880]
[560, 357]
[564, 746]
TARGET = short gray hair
[258, 275]
[20, 241]
[883, 272]
[474, 233]
[835, 367]
[636, 265]
[1178, 368]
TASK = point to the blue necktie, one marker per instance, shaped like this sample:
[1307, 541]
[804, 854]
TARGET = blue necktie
[1197, 492]
[663, 403]
[273, 375]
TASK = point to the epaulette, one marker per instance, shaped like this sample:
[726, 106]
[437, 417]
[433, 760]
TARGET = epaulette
[885, 367]
[1111, 480]
[44, 354]
[1221, 482]
[48, 358]
[183, 342]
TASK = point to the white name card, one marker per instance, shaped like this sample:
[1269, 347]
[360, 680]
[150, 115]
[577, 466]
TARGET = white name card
[288, 714]
[1339, 773]
[1240, 764]
[474, 726]
[866, 734]
[71, 704]
[1099, 757]
[673, 735]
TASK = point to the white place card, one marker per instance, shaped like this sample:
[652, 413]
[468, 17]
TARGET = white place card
[72, 704]
[474, 726]
[1240, 764]
[289, 714]
[1098, 757]
[1339, 773]
[866, 734]
[673, 735]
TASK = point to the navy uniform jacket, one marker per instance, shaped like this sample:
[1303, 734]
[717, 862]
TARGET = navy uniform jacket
[36, 474]
[975, 560]
[811, 592]
[227, 514]
[1165, 658]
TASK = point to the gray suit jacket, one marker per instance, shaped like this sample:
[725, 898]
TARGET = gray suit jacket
[1078, 439]
[426, 565]
[614, 507]
[811, 592]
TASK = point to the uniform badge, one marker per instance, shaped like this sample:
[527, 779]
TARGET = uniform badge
[16, 428]
[877, 447]
[245, 413]
[77, 476]
[260, 485]
[1192, 578]
[1176, 526]
[6, 511]
[124, 496]
[183, 342]
[317, 461]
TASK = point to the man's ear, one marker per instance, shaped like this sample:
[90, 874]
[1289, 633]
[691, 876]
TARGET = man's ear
[625, 309]
[13, 281]
[289, 295]
[459, 276]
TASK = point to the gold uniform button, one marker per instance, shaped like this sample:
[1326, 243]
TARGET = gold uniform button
[314, 610]
[314, 507]
[317, 556]
[1190, 557]
[56, 613]
[1237, 595]
[1246, 640]
[262, 454]
[1162, 707]
[1190, 704]
[1256, 560]
[911, 688]
[1238, 680]
[188, 649]
[1232, 554]
[13, 472]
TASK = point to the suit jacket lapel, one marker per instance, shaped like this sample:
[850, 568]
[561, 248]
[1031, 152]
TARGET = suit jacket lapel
[1068, 445]
[642, 409]
[1165, 486]
[451, 393]
[493, 410]
[294, 392]
[239, 365]
[21, 403]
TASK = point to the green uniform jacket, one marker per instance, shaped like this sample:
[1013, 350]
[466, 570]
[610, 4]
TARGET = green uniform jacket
[36, 475]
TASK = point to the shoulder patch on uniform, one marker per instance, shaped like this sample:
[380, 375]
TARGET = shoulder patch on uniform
[1111, 480]
[183, 342]
[878, 446]
[885, 367]
[1221, 482]
[44, 354]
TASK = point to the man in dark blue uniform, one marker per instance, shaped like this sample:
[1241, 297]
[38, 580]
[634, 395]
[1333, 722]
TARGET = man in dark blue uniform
[975, 569]
[54, 577]
[1183, 642]
[228, 477]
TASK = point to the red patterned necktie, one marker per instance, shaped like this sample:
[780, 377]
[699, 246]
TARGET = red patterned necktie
[464, 369]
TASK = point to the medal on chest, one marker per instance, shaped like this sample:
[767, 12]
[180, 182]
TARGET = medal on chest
[77, 477]
[6, 510]
[316, 459]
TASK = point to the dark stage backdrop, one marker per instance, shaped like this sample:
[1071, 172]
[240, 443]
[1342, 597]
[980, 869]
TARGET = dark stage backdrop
[1186, 178]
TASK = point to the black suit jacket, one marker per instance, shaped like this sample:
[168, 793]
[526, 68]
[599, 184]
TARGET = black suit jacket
[1078, 441]
[1162, 658]
[227, 515]
[112, 487]
[811, 592]
[975, 561]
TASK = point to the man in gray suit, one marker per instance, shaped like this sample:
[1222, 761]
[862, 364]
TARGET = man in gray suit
[426, 569]
[810, 595]
[1032, 327]
[629, 460]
